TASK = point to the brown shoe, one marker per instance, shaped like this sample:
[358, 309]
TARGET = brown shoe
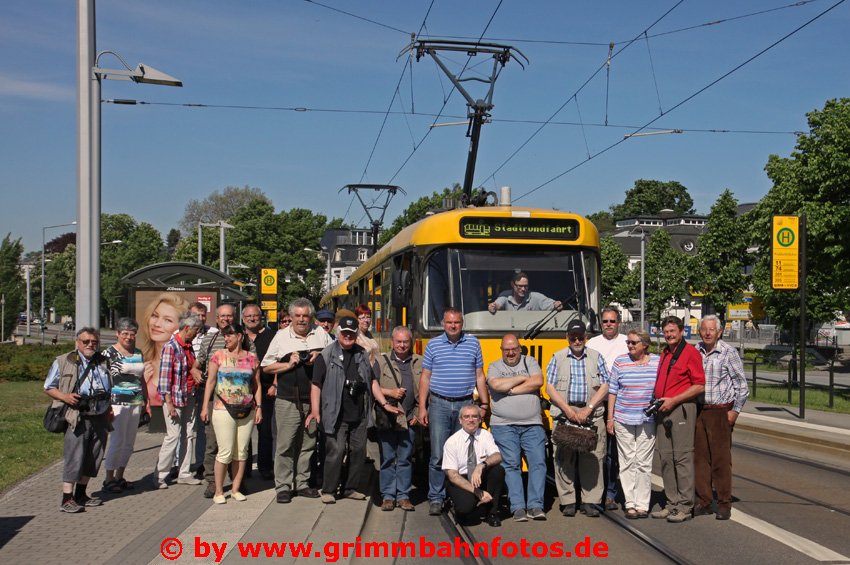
[388, 505]
[700, 510]
[406, 505]
[723, 513]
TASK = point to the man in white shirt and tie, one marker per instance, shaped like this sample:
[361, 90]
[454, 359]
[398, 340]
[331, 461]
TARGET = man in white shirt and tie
[472, 463]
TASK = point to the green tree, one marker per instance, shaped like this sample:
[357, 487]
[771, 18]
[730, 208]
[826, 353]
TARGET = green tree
[218, 206]
[141, 245]
[171, 241]
[417, 210]
[617, 281]
[722, 255]
[667, 275]
[60, 282]
[11, 281]
[652, 196]
[603, 221]
[812, 181]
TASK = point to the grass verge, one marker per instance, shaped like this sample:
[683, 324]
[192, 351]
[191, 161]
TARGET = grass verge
[26, 447]
[816, 399]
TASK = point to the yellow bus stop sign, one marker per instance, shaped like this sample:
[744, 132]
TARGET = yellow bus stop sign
[785, 250]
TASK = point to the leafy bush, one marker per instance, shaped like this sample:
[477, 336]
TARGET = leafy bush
[29, 362]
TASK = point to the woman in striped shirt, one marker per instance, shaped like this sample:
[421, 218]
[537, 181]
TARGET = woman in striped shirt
[630, 388]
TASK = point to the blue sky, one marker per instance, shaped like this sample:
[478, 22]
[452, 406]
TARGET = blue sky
[303, 54]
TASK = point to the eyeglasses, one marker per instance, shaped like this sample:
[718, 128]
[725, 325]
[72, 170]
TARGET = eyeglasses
[575, 337]
[609, 321]
[88, 341]
[471, 417]
[250, 316]
[632, 342]
[127, 334]
[284, 321]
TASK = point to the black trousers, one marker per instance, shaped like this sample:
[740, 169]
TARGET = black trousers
[265, 439]
[465, 503]
[350, 436]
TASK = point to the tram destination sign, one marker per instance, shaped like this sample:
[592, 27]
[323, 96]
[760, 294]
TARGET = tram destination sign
[559, 229]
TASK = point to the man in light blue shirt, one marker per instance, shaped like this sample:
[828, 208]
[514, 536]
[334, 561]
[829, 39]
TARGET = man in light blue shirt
[80, 379]
[452, 368]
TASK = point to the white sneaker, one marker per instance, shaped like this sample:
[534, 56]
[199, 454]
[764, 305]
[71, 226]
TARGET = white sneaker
[188, 481]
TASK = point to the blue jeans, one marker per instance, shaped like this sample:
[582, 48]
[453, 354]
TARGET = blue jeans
[396, 475]
[532, 441]
[443, 421]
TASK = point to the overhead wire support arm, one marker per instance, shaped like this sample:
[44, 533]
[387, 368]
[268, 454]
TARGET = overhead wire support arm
[390, 190]
[479, 109]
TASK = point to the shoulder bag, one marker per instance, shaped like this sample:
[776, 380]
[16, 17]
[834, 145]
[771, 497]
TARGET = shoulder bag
[54, 418]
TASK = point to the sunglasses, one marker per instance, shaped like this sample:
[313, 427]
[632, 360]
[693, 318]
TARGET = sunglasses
[88, 341]
[632, 342]
[576, 338]
[609, 321]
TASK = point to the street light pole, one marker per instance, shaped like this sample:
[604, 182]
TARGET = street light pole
[89, 76]
[2, 318]
[327, 254]
[642, 280]
[222, 225]
[28, 270]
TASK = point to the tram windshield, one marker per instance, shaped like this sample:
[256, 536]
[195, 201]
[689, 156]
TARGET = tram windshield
[471, 279]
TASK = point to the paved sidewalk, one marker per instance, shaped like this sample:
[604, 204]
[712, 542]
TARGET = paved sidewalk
[130, 527]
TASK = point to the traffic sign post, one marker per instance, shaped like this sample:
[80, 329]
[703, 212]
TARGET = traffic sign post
[268, 293]
[788, 272]
[785, 251]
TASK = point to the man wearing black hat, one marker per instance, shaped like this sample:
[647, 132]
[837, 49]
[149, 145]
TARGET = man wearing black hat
[577, 384]
[326, 318]
[342, 395]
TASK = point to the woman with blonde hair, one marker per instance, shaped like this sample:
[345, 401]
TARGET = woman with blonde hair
[156, 326]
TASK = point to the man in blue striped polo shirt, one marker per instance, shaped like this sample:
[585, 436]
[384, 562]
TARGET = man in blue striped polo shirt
[452, 368]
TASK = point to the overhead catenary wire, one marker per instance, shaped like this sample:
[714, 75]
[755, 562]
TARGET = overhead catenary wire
[580, 88]
[371, 21]
[684, 100]
[305, 109]
[445, 101]
[659, 34]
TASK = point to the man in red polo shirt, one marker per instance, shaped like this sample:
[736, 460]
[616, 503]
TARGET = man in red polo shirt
[679, 381]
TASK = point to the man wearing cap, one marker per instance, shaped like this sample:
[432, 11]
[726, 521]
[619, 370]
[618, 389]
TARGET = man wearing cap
[342, 392]
[577, 384]
[452, 368]
[290, 360]
[325, 319]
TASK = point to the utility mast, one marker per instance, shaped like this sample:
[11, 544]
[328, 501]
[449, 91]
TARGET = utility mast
[389, 191]
[478, 109]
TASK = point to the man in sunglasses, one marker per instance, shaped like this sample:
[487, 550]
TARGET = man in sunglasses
[610, 344]
[577, 384]
[80, 379]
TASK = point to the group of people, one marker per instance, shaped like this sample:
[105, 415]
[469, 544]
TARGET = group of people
[316, 385]
[682, 403]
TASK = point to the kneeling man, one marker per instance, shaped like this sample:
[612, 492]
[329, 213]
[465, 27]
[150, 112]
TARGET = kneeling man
[471, 462]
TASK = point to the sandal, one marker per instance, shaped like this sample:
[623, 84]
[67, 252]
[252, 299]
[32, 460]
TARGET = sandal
[632, 514]
[112, 486]
[125, 484]
[642, 514]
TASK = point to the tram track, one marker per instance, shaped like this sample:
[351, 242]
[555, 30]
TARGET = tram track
[799, 461]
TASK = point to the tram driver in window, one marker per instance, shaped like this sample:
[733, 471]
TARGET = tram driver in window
[521, 298]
